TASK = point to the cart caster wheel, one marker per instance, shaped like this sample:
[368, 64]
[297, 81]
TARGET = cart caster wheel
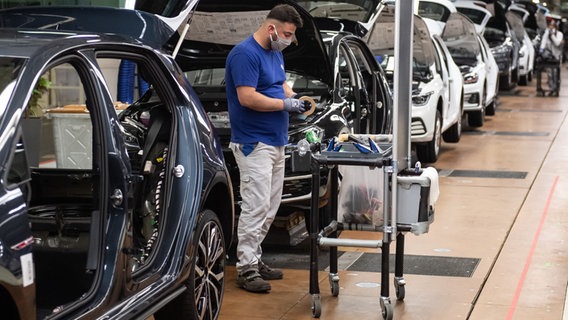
[400, 292]
[399, 284]
[387, 311]
[316, 307]
[335, 289]
[334, 284]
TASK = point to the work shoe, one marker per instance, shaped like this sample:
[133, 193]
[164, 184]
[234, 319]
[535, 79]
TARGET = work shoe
[268, 273]
[253, 282]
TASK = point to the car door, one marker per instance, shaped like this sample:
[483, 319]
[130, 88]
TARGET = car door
[376, 99]
[492, 69]
[76, 187]
[454, 85]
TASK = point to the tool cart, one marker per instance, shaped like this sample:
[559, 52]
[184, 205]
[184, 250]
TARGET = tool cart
[415, 213]
[546, 63]
[408, 192]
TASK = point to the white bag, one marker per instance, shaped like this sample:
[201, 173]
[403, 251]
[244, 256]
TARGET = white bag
[360, 198]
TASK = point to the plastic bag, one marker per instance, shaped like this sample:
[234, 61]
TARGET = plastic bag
[547, 57]
[360, 198]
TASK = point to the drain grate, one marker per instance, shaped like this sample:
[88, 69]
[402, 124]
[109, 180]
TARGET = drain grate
[371, 262]
[484, 174]
[422, 265]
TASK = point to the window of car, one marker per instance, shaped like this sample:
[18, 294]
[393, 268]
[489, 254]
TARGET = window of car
[433, 10]
[476, 16]
[57, 126]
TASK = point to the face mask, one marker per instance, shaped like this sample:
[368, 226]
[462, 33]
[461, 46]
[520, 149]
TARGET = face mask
[279, 44]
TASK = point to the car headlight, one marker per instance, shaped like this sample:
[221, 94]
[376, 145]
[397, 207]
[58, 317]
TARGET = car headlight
[469, 78]
[501, 50]
[422, 99]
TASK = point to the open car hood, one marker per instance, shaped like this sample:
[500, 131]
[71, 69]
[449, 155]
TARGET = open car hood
[381, 39]
[152, 24]
[460, 34]
[218, 25]
[477, 12]
[355, 16]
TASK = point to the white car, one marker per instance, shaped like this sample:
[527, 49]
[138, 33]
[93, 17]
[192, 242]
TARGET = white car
[452, 76]
[480, 16]
[491, 76]
[496, 29]
[462, 41]
[527, 52]
[430, 94]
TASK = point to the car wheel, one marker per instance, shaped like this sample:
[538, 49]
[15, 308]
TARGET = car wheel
[453, 134]
[206, 283]
[428, 152]
[529, 76]
[523, 80]
[476, 118]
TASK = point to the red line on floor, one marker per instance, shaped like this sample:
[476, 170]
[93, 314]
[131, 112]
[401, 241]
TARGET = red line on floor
[531, 252]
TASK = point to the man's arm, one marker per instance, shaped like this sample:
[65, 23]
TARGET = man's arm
[250, 98]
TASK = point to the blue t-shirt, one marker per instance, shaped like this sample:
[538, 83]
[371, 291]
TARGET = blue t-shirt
[249, 64]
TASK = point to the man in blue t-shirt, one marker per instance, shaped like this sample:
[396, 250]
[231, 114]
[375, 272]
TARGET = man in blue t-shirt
[259, 102]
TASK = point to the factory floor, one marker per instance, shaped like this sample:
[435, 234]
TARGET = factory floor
[497, 249]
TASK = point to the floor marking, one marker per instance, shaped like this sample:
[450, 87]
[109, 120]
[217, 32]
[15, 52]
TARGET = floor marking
[531, 252]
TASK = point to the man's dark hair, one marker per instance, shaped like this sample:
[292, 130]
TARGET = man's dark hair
[286, 13]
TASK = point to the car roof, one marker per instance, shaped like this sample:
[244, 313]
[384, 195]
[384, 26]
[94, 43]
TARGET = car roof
[135, 24]
[26, 43]
[218, 25]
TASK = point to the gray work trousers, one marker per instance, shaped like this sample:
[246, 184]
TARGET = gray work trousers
[261, 183]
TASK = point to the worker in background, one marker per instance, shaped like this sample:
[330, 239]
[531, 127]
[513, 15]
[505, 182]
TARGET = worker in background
[553, 43]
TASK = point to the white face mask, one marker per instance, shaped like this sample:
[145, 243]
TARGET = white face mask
[279, 44]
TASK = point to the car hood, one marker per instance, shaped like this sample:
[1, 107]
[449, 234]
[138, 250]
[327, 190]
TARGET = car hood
[152, 24]
[218, 25]
[460, 34]
[382, 37]
[352, 16]
[517, 25]
[476, 11]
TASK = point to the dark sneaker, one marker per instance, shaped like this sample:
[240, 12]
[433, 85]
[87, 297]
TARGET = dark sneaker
[268, 273]
[253, 282]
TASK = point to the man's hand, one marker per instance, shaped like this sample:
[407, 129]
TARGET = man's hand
[294, 105]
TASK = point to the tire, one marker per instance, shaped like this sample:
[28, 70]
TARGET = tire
[530, 76]
[206, 283]
[490, 110]
[476, 118]
[523, 80]
[453, 134]
[428, 152]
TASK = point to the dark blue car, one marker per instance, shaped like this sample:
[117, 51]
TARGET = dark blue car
[109, 208]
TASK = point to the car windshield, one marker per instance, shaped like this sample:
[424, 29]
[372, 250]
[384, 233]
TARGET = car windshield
[355, 10]
[9, 71]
